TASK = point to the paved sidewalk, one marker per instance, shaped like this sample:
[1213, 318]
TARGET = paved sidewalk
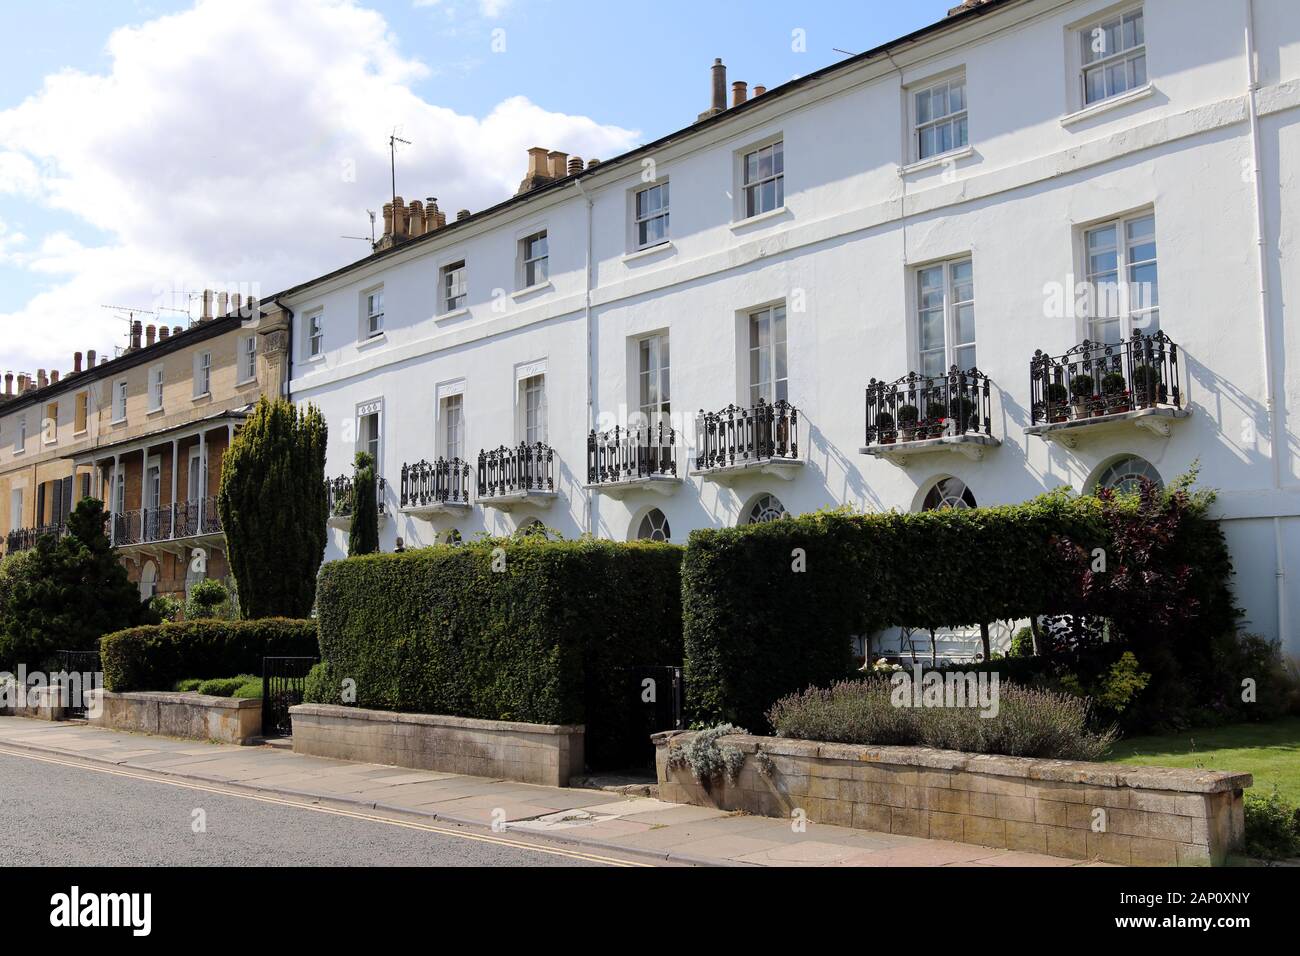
[592, 818]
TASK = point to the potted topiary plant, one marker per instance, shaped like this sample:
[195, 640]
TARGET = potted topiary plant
[962, 409]
[1057, 401]
[936, 414]
[1147, 387]
[1114, 388]
[907, 418]
[885, 433]
[1081, 387]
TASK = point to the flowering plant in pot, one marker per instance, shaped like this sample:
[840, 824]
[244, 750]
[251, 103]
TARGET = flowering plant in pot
[1081, 388]
[907, 418]
[1057, 398]
[885, 433]
[1114, 388]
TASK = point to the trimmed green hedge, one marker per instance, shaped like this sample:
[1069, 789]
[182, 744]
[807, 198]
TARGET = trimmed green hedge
[156, 657]
[546, 638]
[756, 628]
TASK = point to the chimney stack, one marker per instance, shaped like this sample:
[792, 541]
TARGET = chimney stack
[76, 362]
[164, 334]
[558, 163]
[539, 170]
[136, 329]
[150, 332]
[463, 214]
[718, 101]
[575, 165]
[739, 92]
[416, 210]
[207, 306]
[90, 359]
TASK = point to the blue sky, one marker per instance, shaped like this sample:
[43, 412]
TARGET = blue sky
[93, 207]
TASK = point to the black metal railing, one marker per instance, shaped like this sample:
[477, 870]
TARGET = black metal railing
[917, 407]
[503, 471]
[740, 436]
[624, 454]
[184, 519]
[284, 682]
[1094, 379]
[440, 482]
[80, 663]
[24, 539]
[341, 495]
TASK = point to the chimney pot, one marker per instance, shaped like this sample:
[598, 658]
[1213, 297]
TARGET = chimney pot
[223, 304]
[739, 92]
[176, 330]
[388, 219]
[760, 90]
[399, 218]
[593, 163]
[718, 101]
[136, 329]
[150, 332]
[431, 214]
[416, 210]
[207, 306]
[558, 162]
[463, 214]
[40, 378]
[90, 359]
[76, 362]
[9, 383]
[537, 162]
[237, 301]
[164, 334]
[575, 165]
[54, 377]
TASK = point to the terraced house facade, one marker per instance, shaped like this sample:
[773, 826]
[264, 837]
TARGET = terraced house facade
[146, 433]
[1041, 243]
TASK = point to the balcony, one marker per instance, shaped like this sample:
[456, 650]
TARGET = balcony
[1096, 388]
[628, 459]
[919, 414]
[181, 521]
[432, 488]
[24, 539]
[763, 439]
[341, 498]
[508, 477]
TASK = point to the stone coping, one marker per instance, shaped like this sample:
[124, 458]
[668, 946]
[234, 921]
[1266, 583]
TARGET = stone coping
[431, 720]
[182, 697]
[1170, 779]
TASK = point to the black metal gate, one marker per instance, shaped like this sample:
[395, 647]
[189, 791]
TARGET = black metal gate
[74, 688]
[661, 695]
[283, 682]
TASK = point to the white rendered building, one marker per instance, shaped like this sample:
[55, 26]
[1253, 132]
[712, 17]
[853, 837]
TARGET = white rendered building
[1018, 178]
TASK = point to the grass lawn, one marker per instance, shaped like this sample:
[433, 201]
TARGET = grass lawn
[1269, 751]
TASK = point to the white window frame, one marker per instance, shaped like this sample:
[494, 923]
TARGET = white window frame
[157, 383]
[1125, 263]
[653, 350]
[372, 320]
[247, 353]
[1082, 38]
[955, 119]
[951, 304]
[50, 436]
[82, 396]
[454, 295]
[640, 219]
[196, 478]
[365, 410]
[529, 265]
[121, 392]
[777, 348]
[744, 184]
[203, 374]
[451, 414]
[15, 509]
[20, 436]
[314, 334]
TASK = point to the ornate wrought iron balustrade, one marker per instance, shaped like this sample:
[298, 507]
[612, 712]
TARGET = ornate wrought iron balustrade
[740, 436]
[24, 539]
[1094, 379]
[167, 523]
[440, 482]
[503, 471]
[341, 498]
[917, 407]
[625, 454]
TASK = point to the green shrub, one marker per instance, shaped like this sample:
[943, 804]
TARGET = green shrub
[548, 637]
[167, 608]
[221, 686]
[320, 686]
[363, 534]
[706, 759]
[156, 657]
[189, 684]
[1022, 643]
[250, 689]
[1028, 722]
[1272, 826]
[208, 598]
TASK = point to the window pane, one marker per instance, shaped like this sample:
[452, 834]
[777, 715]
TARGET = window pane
[1116, 78]
[964, 357]
[931, 329]
[1138, 71]
[1094, 85]
[959, 138]
[778, 318]
[1144, 289]
[932, 363]
[926, 142]
[780, 192]
[751, 167]
[965, 325]
[957, 97]
[765, 163]
[939, 101]
[778, 158]
[944, 141]
[923, 107]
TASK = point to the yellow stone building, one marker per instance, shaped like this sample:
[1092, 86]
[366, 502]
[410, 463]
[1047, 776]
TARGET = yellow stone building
[145, 432]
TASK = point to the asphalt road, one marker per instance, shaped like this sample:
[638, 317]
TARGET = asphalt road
[53, 814]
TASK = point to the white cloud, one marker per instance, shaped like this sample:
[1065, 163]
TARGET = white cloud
[234, 143]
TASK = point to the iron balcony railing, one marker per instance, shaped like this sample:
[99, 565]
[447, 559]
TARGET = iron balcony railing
[24, 539]
[341, 499]
[917, 407]
[1094, 379]
[504, 471]
[741, 436]
[184, 519]
[441, 482]
[625, 454]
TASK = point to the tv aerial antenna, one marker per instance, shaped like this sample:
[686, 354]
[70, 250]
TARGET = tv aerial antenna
[393, 140]
[371, 240]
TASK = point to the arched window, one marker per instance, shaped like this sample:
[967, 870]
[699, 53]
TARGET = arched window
[1125, 475]
[948, 493]
[654, 526]
[148, 581]
[766, 508]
